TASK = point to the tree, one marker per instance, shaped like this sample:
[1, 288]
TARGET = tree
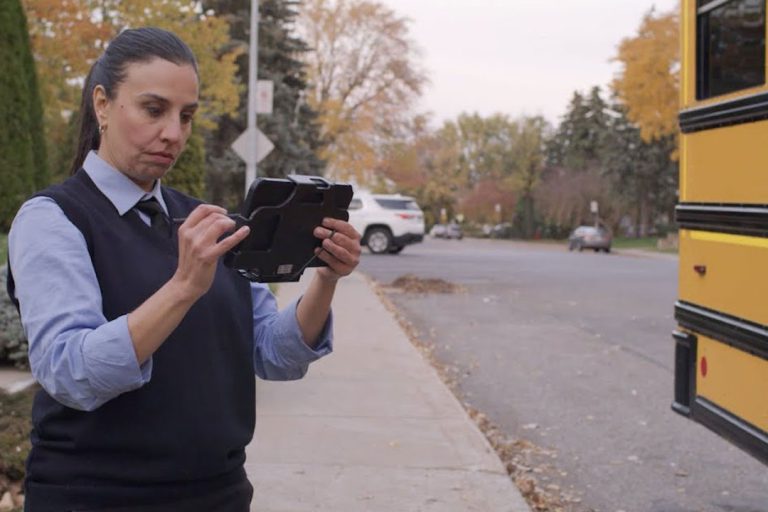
[578, 142]
[188, 173]
[365, 76]
[67, 37]
[640, 171]
[23, 166]
[65, 41]
[648, 82]
[425, 166]
[293, 126]
[528, 161]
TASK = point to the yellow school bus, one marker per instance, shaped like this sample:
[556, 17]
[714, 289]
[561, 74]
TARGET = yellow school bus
[721, 355]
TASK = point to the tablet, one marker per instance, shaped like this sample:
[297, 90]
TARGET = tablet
[282, 214]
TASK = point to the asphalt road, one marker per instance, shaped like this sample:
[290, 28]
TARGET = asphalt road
[572, 351]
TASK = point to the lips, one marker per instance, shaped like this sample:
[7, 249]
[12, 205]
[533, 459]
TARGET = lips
[162, 157]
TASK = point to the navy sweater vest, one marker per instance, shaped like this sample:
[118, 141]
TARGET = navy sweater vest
[184, 432]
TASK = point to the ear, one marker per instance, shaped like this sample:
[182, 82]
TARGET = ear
[100, 104]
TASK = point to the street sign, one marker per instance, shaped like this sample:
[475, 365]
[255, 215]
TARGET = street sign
[252, 147]
[264, 96]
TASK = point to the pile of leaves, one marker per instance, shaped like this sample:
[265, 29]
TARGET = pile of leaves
[412, 284]
[15, 426]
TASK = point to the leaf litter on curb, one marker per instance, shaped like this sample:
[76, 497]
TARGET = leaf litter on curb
[410, 283]
[525, 462]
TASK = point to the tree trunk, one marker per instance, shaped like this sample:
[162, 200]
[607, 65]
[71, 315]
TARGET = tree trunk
[528, 216]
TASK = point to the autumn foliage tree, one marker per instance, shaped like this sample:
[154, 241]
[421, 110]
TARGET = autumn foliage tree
[646, 89]
[68, 36]
[365, 76]
[648, 81]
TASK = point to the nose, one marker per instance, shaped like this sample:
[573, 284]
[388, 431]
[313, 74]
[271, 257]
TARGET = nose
[172, 131]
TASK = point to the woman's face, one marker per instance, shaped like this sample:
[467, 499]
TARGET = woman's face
[149, 120]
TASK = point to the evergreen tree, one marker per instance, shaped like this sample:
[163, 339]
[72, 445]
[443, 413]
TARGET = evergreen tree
[188, 174]
[292, 127]
[642, 172]
[578, 142]
[23, 167]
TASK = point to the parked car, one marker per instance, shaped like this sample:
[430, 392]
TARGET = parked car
[387, 222]
[448, 231]
[502, 230]
[590, 237]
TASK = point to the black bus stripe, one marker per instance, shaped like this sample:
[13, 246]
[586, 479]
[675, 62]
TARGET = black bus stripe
[738, 219]
[746, 109]
[736, 332]
[750, 437]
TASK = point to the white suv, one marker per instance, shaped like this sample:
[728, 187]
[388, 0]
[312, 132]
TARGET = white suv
[387, 222]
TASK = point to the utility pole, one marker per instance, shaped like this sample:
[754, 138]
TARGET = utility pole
[253, 67]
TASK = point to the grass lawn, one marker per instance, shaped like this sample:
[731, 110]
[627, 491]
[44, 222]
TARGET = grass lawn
[3, 248]
[648, 243]
[644, 244]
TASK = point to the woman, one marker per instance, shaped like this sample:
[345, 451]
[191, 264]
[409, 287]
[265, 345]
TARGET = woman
[145, 345]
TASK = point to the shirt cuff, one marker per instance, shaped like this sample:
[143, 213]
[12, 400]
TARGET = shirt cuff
[110, 360]
[288, 328]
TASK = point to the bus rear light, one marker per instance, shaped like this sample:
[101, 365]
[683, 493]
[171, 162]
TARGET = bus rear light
[703, 366]
[700, 269]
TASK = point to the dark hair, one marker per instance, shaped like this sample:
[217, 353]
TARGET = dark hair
[131, 45]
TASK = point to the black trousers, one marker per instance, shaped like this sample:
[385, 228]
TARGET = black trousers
[233, 498]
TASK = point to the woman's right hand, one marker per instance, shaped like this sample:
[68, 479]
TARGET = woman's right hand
[200, 248]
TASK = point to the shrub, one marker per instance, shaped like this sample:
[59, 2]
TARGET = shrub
[15, 426]
[13, 342]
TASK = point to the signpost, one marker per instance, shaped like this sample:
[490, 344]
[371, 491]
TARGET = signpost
[593, 207]
[252, 145]
[265, 90]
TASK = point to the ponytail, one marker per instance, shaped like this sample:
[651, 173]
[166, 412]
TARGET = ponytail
[88, 133]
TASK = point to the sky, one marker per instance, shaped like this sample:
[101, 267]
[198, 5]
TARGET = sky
[517, 57]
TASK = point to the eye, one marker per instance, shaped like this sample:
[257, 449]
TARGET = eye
[153, 110]
[186, 117]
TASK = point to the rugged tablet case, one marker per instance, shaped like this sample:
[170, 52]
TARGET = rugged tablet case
[282, 215]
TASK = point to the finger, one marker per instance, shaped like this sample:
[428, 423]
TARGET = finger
[334, 264]
[341, 227]
[220, 225]
[350, 244]
[232, 240]
[192, 235]
[339, 252]
[201, 212]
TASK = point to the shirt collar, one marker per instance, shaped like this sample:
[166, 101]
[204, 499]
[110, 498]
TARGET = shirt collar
[119, 189]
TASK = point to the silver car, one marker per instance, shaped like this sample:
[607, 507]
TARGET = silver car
[590, 237]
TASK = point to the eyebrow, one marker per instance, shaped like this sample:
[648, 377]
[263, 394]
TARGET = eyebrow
[159, 98]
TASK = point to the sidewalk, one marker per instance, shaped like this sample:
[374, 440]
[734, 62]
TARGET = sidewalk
[370, 428]
[12, 380]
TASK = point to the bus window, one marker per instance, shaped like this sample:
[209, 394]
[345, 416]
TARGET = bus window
[731, 46]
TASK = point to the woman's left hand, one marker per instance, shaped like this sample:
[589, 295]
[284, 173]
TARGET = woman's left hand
[340, 248]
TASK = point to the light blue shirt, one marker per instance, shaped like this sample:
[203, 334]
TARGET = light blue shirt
[80, 358]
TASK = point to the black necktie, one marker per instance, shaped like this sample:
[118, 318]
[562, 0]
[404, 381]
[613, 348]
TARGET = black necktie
[157, 217]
